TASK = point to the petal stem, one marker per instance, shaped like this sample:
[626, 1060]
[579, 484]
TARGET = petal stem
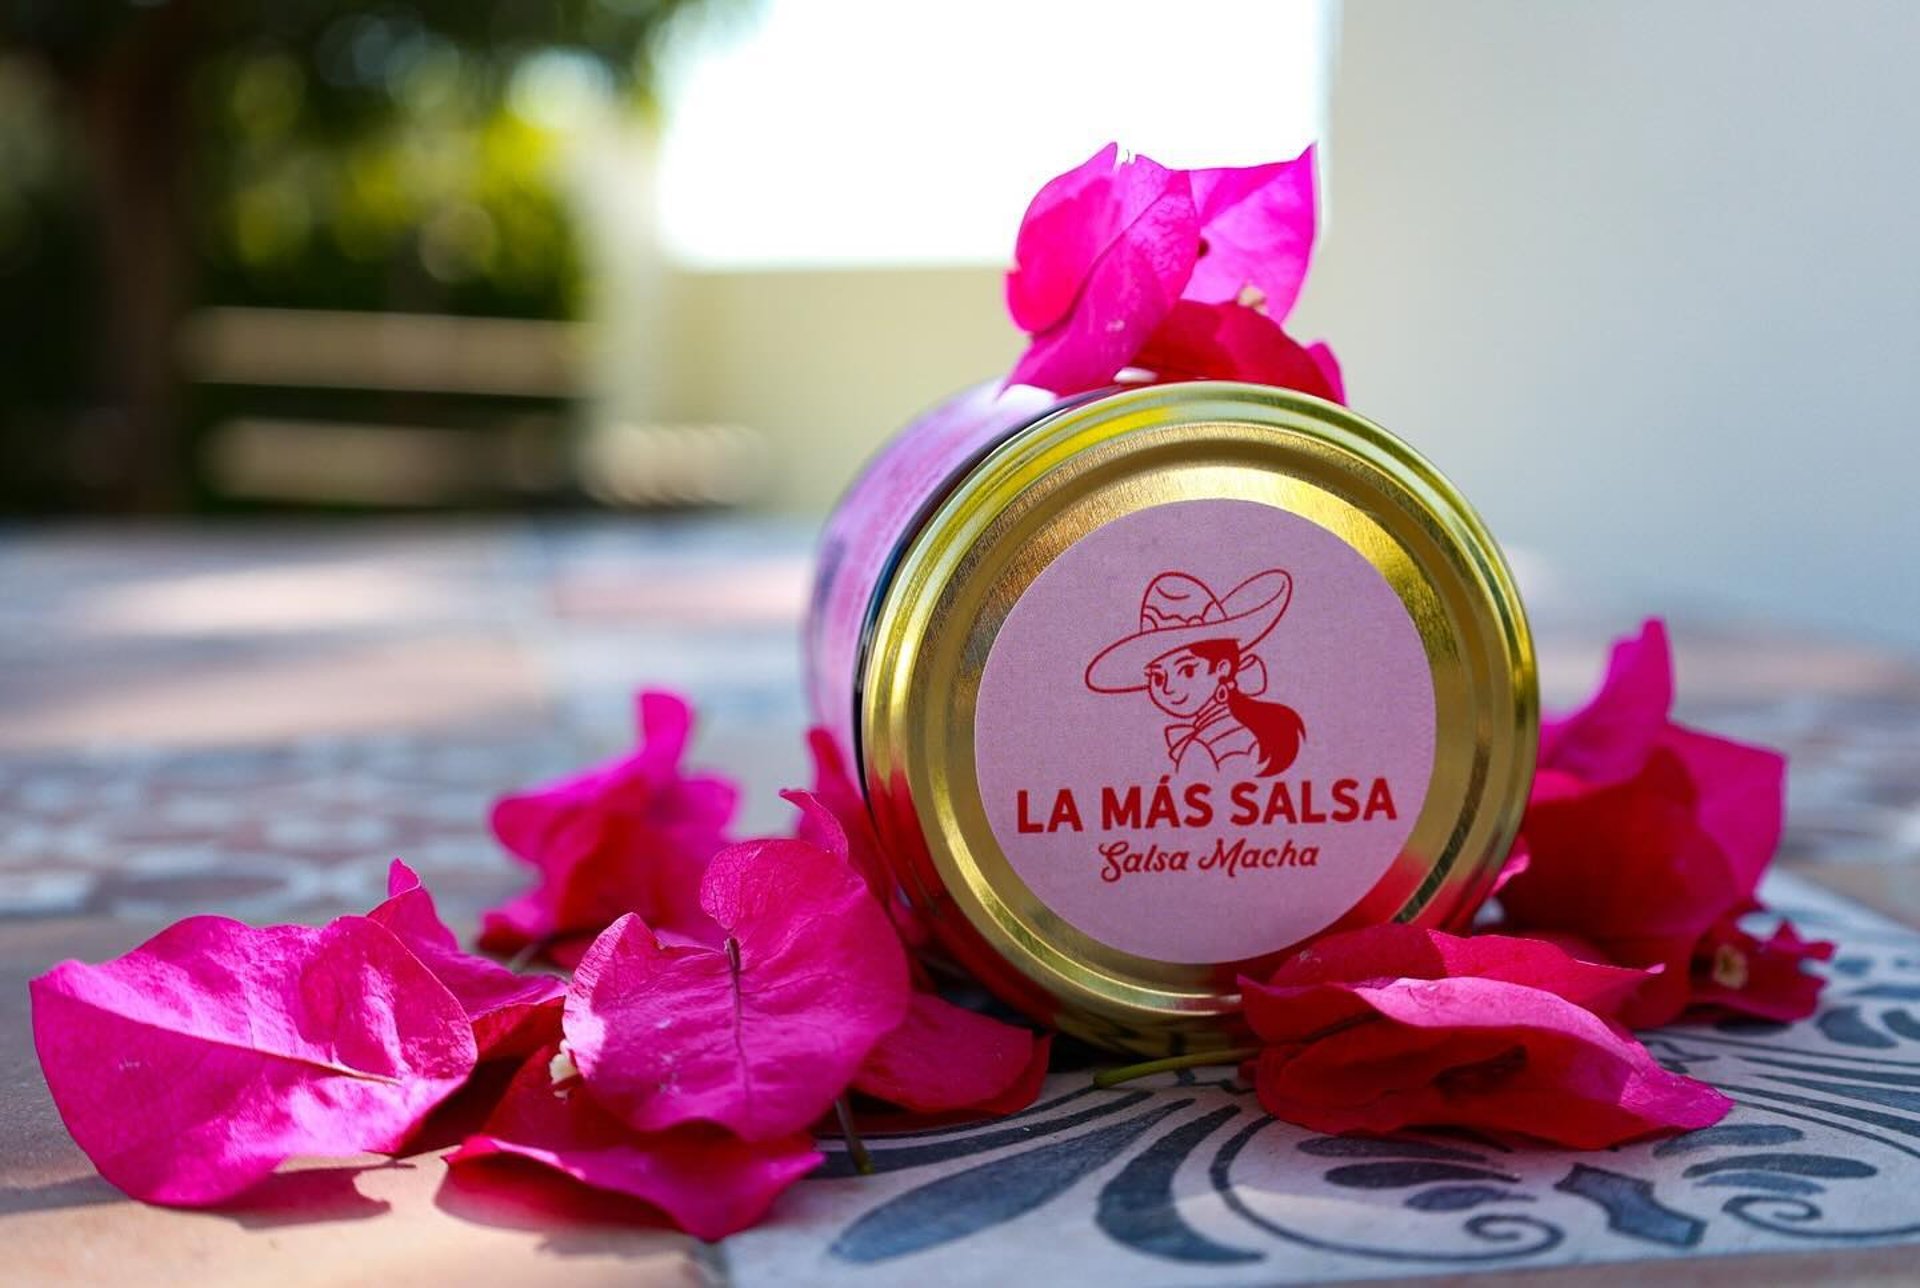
[520, 961]
[856, 1148]
[1192, 1060]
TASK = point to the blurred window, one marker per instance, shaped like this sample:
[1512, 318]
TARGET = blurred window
[862, 132]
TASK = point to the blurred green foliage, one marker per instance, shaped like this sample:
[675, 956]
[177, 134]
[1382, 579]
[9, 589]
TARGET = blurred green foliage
[49, 288]
[297, 153]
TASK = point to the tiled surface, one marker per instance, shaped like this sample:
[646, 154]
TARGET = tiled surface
[1184, 1179]
[253, 720]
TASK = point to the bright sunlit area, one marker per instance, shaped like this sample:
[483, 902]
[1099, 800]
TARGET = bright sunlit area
[811, 133]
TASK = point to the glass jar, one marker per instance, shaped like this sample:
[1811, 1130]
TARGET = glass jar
[1149, 687]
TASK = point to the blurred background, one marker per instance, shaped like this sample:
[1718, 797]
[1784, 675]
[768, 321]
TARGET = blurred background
[1640, 276]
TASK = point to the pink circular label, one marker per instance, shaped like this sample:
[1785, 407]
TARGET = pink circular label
[1205, 731]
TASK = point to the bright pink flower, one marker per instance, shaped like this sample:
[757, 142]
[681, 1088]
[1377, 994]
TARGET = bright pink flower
[1102, 254]
[194, 1065]
[1122, 262]
[760, 1033]
[1257, 226]
[707, 1182]
[1646, 838]
[512, 1014]
[835, 793]
[632, 835]
[1233, 342]
[1392, 1027]
[1736, 971]
[944, 1059]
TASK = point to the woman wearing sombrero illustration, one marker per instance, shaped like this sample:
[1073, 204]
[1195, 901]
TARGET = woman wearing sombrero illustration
[1192, 655]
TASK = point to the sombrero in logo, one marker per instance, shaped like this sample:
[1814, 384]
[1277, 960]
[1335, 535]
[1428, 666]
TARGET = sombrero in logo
[1179, 609]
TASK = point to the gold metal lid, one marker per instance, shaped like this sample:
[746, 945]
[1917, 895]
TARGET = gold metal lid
[1037, 497]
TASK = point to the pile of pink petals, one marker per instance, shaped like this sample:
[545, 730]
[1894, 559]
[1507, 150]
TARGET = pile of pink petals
[1626, 902]
[726, 996]
[1122, 263]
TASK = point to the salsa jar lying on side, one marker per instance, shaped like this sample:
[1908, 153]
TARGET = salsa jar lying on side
[1147, 688]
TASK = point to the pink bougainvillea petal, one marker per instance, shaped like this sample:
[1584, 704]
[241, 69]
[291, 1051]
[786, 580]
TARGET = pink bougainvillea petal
[943, 1057]
[1479, 1053]
[521, 923]
[761, 1034]
[1393, 1026]
[1644, 835]
[1257, 228]
[1765, 978]
[1068, 224]
[1101, 257]
[1742, 792]
[631, 835]
[1095, 343]
[194, 1065]
[1397, 952]
[1233, 342]
[1330, 374]
[1123, 262]
[1025, 1089]
[511, 1013]
[835, 791]
[833, 816]
[873, 1117]
[1518, 860]
[1609, 739]
[707, 1182]
[1623, 862]
[1669, 987]
[1080, 217]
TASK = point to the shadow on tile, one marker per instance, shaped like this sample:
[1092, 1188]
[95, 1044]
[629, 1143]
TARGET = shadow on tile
[575, 1220]
[309, 1196]
[84, 1191]
[306, 1197]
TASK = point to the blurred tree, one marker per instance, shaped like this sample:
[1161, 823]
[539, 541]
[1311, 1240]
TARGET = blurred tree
[293, 152]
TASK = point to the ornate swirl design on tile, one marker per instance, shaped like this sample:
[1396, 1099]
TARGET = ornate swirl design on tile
[1162, 1170]
[1514, 1235]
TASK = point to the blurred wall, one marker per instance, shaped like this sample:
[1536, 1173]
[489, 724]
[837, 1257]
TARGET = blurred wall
[1638, 275]
[828, 362]
[1642, 277]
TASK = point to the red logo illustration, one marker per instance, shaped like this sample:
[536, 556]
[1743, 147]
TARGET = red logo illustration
[1193, 656]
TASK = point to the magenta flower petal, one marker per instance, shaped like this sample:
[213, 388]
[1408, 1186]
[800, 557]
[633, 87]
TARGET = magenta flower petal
[1742, 799]
[709, 1183]
[194, 1065]
[1102, 255]
[1078, 218]
[1233, 342]
[1330, 373]
[835, 792]
[631, 835]
[1610, 738]
[1643, 836]
[1068, 224]
[1256, 228]
[1740, 972]
[1484, 1054]
[511, 1013]
[1391, 1027]
[944, 1057]
[759, 1035]
[1394, 951]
